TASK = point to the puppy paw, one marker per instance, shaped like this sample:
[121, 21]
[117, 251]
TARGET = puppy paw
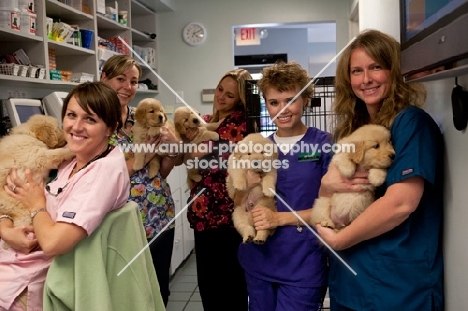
[248, 234]
[327, 223]
[239, 184]
[211, 136]
[267, 192]
[196, 177]
[377, 176]
[248, 239]
[261, 237]
[138, 164]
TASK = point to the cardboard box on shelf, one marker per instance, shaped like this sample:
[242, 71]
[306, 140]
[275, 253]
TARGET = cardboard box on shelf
[21, 57]
[81, 77]
[101, 7]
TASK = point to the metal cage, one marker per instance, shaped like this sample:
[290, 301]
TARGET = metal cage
[318, 114]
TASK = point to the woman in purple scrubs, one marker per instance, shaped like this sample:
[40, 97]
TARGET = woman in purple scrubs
[289, 271]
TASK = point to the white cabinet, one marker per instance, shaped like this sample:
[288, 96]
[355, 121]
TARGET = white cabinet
[189, 241]
[141, 19]
[183, 237]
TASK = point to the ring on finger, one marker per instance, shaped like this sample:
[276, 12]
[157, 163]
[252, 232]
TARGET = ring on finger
[14, 187]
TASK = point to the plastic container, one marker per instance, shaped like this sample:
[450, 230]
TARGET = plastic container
[9, 5]
[23, 70]
[28, 22]
[9, 69]
[49, 26]
[111, 13]
[26, 5]
[123, 15]
[10, 19]
[86, 38]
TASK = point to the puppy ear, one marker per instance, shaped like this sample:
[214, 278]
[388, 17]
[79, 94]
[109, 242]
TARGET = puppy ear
[45, 133]
[180, 128]
[140, 114]
[236, 153]
[359, 149]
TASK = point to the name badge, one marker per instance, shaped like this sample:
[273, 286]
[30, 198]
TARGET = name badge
[70, 215]
[308, 156]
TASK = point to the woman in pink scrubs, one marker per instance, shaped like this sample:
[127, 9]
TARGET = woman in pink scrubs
[72, 205]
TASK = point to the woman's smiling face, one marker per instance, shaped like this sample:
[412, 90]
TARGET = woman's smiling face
[369, 80]
[125, 85]
[289, 120]
[226, 97]
[86, 133]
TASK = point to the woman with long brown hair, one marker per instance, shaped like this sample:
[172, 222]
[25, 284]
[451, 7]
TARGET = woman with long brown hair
[395, 245]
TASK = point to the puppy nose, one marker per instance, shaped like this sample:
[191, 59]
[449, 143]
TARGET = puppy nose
[196, 121]
[160, 118]
[392, 156]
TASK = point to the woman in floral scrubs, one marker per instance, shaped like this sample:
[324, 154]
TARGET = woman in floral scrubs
[220, 277]
[153, 195]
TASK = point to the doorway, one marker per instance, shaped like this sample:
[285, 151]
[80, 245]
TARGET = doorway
[312, 45]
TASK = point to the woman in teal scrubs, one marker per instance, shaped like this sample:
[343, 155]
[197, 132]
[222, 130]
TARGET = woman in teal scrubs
[395, 245]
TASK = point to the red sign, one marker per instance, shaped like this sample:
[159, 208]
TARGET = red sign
[247, 36]
[247, 33]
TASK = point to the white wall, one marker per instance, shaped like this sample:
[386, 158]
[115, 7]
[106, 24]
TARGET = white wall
[456, 195]
[382, 14]
[191, 69]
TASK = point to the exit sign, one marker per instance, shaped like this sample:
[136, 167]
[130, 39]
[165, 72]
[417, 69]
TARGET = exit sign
[247, 36]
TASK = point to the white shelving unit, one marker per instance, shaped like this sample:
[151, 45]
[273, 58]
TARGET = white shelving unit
[141, 18]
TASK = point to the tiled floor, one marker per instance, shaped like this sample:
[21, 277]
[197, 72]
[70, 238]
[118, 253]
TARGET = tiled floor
[184, 289]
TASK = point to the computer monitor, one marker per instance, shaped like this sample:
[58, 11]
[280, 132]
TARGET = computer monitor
[53, 104]
[433, 41]
[20, 109]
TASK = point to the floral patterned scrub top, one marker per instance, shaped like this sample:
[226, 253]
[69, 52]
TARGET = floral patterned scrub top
[213, 208]
[153, 196]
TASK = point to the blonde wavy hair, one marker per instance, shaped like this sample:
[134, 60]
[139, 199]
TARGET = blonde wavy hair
[119, 64]
[239, 75]
[351, 111]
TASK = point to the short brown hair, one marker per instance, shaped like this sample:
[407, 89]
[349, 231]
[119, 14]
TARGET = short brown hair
[101, 99]
[286, 77]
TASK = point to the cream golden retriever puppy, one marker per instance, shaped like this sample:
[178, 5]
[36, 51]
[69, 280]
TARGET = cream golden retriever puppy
[184, 119]
[254, 155]
[150, 117]
[34, 145]
[374, 153]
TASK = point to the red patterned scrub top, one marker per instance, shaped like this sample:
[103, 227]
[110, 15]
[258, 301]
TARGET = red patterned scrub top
[213, 208]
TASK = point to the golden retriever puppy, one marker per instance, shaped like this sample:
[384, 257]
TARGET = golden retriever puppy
[149, 118]
[373, 152]
[185, 118]
[255, 155]
[34, 145]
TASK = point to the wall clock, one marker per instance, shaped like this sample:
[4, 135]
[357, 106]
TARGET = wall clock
[194, 34]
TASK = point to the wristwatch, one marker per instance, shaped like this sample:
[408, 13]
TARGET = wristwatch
[34, 213]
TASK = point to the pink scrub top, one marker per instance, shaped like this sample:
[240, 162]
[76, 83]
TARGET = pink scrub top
[86, 198]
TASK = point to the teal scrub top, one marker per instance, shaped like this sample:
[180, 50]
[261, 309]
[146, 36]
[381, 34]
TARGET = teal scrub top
[403, 268]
